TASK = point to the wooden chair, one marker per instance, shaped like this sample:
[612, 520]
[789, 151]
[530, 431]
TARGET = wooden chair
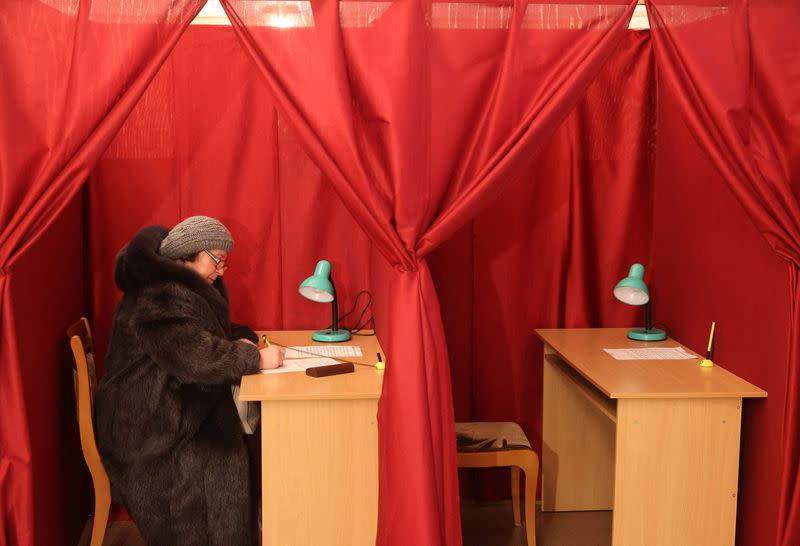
[485, 445]
[80, 339]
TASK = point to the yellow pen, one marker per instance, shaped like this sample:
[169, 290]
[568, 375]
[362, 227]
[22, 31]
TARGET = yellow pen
[265, 340]
[707, 362]
[709, 353]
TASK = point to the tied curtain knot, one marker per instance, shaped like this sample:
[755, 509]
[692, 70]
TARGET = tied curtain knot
[409, 263]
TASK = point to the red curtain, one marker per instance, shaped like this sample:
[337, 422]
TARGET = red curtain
[419, 113]
[741, 101]
[71, 72]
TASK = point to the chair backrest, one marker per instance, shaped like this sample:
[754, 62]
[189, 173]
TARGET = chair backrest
[80, 340]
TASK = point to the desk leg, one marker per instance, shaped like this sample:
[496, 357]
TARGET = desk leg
[577, 447]
[264, 470]
[263, 504]
[676, 472]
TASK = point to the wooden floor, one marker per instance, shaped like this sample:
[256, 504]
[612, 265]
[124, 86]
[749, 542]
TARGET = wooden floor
[493, 525]
[482, 525]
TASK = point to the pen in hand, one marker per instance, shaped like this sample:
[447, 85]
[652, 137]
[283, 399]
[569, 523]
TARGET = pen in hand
[270, 359]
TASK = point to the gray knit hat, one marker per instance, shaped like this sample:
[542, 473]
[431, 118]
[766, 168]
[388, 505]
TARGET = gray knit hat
[195, 234]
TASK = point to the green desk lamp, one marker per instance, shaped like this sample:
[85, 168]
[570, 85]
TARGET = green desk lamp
[319, 287]
[633, 291]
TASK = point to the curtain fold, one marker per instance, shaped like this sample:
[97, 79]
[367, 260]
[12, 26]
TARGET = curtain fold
[741, 103]
[72, 71]
[419, 113]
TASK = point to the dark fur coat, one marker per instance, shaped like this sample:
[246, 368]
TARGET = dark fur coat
[167, 427]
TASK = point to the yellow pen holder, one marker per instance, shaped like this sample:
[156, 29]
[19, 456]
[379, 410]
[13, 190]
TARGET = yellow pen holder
[706, 363]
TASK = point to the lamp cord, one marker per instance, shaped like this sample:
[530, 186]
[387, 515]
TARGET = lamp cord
[355, 303]
[360, 324]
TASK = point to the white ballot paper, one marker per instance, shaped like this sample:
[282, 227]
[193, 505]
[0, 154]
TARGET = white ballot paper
[336, 351]
[651, 353]
[300, 365]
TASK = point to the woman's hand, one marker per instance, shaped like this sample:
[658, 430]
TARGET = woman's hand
[271, 357]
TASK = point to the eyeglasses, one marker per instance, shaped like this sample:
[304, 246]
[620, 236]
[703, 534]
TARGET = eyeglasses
[220, 262]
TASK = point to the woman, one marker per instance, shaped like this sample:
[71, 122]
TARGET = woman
[167, 427]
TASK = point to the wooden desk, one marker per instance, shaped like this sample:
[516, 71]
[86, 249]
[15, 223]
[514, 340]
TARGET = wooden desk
[319, 441]
[655, 441]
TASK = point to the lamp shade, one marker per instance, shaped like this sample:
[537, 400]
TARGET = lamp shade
[632, 289]
[318, 287]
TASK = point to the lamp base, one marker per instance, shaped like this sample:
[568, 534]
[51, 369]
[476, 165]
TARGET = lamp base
[641, 334]
[331, 336]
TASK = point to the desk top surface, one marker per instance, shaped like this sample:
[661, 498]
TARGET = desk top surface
[365, 382]
[582, 349]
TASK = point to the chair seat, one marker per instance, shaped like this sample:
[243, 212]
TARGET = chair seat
[482, 436]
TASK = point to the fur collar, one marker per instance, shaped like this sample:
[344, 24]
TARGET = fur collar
[139, 265]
